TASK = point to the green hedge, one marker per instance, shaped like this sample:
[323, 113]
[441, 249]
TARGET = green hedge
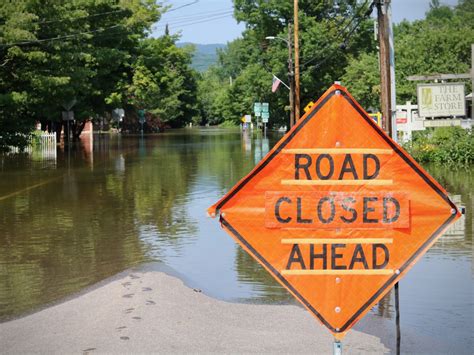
[446, 145]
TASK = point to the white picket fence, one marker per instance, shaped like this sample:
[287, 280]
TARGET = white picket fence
[47, 140]
[44, 146]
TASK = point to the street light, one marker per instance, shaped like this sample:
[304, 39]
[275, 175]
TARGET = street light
[291, 74]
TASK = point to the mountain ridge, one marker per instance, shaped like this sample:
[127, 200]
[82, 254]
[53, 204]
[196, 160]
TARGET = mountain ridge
[204, 55]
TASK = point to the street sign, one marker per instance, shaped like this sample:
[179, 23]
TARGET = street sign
[67, 115]
[402, 117]
[441, 100]
[141, 115]
[308, 106]
[257, 108]
[337, 212]
[265, 107]
[265, 117]
[248, 118]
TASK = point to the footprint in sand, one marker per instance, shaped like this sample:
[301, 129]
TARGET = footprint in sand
[134, 277]
[125, 338]
[121, 328]
[129, 310]
[128, 295]
[137, 318]
[146, 289]
[85, 351]
[126, 284]
[150, 302]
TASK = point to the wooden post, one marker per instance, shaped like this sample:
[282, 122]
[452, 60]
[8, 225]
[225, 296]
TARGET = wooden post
[291, 78]
[472, 81]
[385, 97]
[297, 63]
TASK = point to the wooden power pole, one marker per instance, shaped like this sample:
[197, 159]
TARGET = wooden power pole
[384, 54]
[297, 63]
[291, 79]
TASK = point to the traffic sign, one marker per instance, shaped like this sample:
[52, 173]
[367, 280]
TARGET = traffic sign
[257, 108]
[141, 115]
[265, 107]
[308, 106]
[67, 115]
[265, 117]
[337, 211]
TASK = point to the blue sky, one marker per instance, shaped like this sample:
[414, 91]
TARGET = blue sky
[211, 21]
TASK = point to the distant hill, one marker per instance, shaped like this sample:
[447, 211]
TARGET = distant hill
[205, 54]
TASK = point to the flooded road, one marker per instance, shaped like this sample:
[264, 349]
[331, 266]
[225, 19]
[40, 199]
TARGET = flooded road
[80, 216]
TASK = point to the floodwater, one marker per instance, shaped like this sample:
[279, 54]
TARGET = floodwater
[71, 218]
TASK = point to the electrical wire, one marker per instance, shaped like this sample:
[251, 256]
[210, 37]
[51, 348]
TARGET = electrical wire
[196, 22]
[198, 18]
[348, 35]
[58, 37]
[72, 35]
[185, 5]
[83, 17]
[195, 18]
[195, 14]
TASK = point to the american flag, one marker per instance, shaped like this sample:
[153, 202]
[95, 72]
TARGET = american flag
[275, 83]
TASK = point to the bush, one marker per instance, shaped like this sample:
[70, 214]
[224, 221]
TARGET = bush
[445, 145]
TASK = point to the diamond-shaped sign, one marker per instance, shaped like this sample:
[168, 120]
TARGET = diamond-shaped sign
[337, 211]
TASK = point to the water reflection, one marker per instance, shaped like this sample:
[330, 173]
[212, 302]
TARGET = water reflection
[99, 208]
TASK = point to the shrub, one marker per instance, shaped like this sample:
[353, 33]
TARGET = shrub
[445, 145]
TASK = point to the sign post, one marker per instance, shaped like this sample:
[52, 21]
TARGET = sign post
[141, 118]
[337, 212]
[265, 117]
[261, 109]
[68, 116]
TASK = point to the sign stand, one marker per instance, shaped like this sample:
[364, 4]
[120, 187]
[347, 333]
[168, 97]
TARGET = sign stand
[337, 348]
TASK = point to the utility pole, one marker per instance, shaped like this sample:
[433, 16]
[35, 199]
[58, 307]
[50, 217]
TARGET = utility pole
[393, 95]
[472, 81]
[297, 62]
[291, 78]
[384, 54]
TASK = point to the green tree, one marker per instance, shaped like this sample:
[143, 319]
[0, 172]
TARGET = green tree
[163, 82]
[329, 37]
[438, 44]
[52, 53]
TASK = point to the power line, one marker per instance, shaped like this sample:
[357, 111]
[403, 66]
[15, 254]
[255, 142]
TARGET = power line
[195, 16]
[59, 37]
[83, 17]
[185, 5]
[198, 18]
[344, 42]
[197, 22]
[198, 14]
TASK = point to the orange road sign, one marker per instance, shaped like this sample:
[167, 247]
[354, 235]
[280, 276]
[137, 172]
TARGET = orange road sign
[337, 211]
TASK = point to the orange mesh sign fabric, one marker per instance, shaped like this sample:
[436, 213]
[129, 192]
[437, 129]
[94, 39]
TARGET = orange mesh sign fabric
[337, 212]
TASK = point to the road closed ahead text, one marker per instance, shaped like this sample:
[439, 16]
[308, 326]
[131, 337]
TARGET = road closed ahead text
[343, 211]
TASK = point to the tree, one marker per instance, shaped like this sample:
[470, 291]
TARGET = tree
[54, 52]
[163, 82]
[438, 44]
[329, 37]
